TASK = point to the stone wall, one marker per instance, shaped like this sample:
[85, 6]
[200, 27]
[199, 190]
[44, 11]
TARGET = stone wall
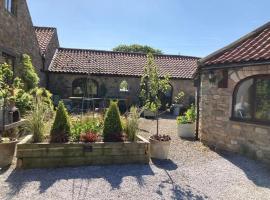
[217, 130]
[17, 35]
[61, 84]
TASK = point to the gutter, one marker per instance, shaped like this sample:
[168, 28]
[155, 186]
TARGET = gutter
[198, 105]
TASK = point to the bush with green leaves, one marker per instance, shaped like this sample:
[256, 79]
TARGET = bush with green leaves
[61, 128]
[85, 125]
[132, 123]
[113, 129]
[28, 74]
[189, 117]
[37, 119]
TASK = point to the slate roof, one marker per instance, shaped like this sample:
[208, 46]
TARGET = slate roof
[118, 63]
[253, 47]
[44, 36]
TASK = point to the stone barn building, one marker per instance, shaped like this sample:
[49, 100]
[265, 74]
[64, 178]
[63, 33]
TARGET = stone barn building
[234, 96]
[77, 72]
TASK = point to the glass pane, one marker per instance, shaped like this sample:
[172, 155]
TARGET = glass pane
[262, 99]
[124, 86]
[242, 108]
[78, 87]
[91, 88]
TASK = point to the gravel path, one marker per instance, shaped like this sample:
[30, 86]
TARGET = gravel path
[193, 172]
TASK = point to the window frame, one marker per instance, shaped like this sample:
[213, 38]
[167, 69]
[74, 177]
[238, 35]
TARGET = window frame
[253, 119]
[84, 84]
[124, 91]
[11, 6]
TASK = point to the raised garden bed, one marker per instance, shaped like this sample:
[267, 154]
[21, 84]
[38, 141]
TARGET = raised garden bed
[45, 155]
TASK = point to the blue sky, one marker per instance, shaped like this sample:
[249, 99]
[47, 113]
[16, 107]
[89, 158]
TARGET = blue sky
[188, 27]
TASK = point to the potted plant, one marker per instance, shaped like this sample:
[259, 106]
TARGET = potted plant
[178, 103]
[186, 123]
[152, 86]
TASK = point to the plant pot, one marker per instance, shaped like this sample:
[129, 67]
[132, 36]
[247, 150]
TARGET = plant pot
[159, 149]
[176, 109]
[6, 153]
[149, 113]
[186, 130]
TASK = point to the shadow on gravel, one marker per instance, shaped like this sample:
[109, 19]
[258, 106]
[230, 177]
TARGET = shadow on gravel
[165, 164]
[256, 171]
[47, 177]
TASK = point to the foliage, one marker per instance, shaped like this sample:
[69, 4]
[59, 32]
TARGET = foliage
[123, 86]
[85, 125]
[179, 98]
[22, 91]
[132, 124]
[89, 137]
[152, 86]
[189, 117]
[8, 84]
[136, 48]
[112, 131]
[61, 129]
[28, 74]
[36, 123]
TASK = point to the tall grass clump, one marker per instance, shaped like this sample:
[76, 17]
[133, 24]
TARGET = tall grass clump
[132, 123]
[37, 119]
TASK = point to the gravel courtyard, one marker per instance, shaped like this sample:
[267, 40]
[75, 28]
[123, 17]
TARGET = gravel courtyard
[193, 172]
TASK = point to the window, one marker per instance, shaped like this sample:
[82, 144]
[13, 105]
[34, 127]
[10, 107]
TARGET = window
[123, 86]
[84, 87]
[252, 100]
[10, 6]
[10, 60]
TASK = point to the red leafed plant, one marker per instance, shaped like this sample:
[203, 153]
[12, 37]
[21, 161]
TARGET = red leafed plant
[89, 137]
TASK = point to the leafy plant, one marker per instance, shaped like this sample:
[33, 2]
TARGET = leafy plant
[89, 137]
[137, 48]
[152, 85]
[61, 129]
[85, 125]
[28, 74]
[37, 118]
[179, 98]
[112, 131]
[189, 117]
[132, 124]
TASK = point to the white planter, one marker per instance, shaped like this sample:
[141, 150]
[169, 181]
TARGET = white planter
[159, 149]
[186, 130]
[149, 113]
[176, 109]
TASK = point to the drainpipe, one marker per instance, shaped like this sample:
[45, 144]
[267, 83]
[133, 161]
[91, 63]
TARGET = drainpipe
[43, 56]
[198, 105]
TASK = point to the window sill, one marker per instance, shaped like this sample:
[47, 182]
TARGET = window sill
[250, 122]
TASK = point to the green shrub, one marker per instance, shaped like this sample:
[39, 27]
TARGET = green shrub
[85, 125]
[132, 124]
[28, 74]
[61, 129]
[112, 131]
[36, 123]
[189, 117]
[24, 101]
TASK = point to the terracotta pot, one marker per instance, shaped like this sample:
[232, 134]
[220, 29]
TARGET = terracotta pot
[6, 153]
[159, 149]
[186, 130]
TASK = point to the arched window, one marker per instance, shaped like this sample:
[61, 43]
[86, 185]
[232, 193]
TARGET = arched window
[123, 87]
[84, 87]
[251, 100]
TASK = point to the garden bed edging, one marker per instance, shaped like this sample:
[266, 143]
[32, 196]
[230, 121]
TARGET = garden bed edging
[45, 155]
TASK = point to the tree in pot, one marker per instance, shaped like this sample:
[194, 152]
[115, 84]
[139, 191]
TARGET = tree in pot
[186, 123]
[151, 88]
[178, 103]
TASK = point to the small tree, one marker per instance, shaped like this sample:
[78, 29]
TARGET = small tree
[152, 86]
[112, 131]
[61, 129]
[28, 74]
